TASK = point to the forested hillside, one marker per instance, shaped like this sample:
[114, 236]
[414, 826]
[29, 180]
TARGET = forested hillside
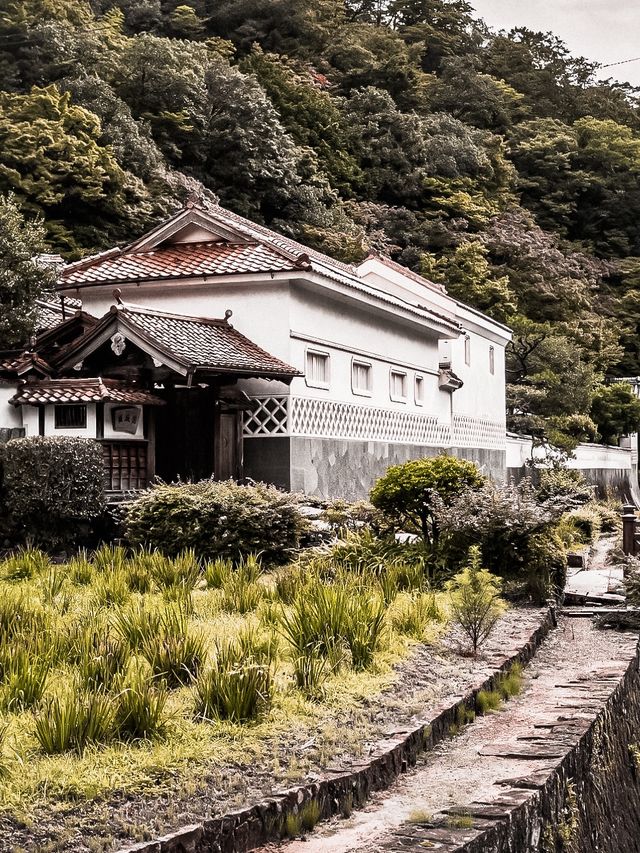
[495, 163]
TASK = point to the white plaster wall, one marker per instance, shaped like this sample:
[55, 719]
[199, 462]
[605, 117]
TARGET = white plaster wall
[348, 332]
[587, 456]
[30, 419]
[260, 310]
[483, 394]
[10, 416]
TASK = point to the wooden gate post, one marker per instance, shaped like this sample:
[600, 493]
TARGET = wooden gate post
[629, 529]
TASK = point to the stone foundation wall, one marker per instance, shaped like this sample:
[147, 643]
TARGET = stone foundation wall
[335, 468]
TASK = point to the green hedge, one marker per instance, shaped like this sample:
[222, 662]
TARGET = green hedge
[217, 520]
[52, 484]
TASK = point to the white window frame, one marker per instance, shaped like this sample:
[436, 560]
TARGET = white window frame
[361, 392]
[394, 371]
[467, 350]
[492, 361]
[312, 383]
[418, 382]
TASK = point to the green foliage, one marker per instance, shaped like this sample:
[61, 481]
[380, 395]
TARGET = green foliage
[616, 411]
[236, 688]
[475, 602]
[216, 520]
[74, 720]
[410, 494]
[488, 700]
[140, 705]
[563, 484]
[515, 533]
[52, 483]
[22, 280]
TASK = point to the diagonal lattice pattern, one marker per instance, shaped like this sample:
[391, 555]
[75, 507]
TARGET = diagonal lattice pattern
[310, 416]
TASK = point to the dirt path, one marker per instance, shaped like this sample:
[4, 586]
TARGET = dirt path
[571, 676]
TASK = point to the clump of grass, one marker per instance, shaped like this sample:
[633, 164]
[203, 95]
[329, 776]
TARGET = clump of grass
[110, 558]
[182, 571]
[233, 689]
[488, 700]
[101, 658]
[25, 563]
[420, 816]
[240, 594]
[139, 572]
[460, 821]
[74, 720]
[111, 588]
[137, 624]
[24, 676]
[52, 583]
[510, 684]
[257, 646]
[310, 672]
[140, 705]
[19, 616]
[216, 573]
[413, 614]
[366, 624]
[288, 584]
[309, 815]
[174, 653]
[80, 570]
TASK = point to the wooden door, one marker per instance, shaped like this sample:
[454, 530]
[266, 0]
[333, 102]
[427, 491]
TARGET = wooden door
[228, 456]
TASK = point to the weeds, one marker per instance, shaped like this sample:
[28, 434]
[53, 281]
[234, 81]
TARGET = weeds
[174, 653]
[140, 705]
[24, 678]
[414, 613]
[233, 689]
[510, 684]
[488, 700]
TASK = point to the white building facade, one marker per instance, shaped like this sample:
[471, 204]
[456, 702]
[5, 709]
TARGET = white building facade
[390, 367]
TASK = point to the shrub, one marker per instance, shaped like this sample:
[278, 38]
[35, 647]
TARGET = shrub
[53, 483]
[562, 484]
[216, 520]
[545, 566]
[410, 494]
[511, 528]
[475, 602]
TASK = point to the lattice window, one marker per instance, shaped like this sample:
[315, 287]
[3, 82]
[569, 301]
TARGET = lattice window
[125, 466]
[316, 417]
[469, 431]
[268, 418]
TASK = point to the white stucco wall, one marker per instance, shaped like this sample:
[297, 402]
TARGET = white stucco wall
[10, 416]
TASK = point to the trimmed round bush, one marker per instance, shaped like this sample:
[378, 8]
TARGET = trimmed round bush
[216, 520]
[411, 494]
[52, 484]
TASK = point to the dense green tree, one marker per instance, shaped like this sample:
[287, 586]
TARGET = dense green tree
[616, 411]
[22, 280]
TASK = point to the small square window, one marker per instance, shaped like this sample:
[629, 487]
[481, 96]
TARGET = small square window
[419, 388]
[492, 360]
[398, 385]
[317, 373]
[467, 350]
[71, 417]
[361, 382]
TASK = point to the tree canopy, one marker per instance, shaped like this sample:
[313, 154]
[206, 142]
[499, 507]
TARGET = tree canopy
[496, 163]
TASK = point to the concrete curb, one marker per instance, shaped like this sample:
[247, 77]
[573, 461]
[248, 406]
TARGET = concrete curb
[249, 828]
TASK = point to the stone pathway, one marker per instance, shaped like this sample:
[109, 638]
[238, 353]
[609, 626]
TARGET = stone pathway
[494, 763]
[599, 580]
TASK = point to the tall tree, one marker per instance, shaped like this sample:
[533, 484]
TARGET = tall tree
[22, 279]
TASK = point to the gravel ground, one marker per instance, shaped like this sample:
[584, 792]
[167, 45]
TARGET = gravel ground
[430, 676]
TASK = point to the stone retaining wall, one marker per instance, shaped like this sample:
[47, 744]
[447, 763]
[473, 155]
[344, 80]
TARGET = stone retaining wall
[589, 803]
[247, 829]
